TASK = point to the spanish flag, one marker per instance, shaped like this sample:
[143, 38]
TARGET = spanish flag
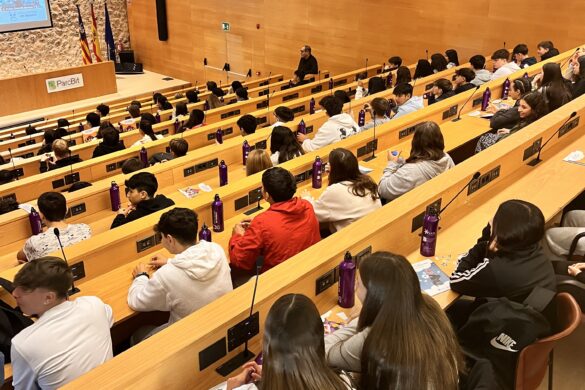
[94, 36]
[83, 40]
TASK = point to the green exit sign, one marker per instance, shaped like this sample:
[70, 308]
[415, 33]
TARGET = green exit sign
[225, 26]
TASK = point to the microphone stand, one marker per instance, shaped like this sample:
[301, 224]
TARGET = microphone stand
[74, 290]
[467, 101]
[537, 159]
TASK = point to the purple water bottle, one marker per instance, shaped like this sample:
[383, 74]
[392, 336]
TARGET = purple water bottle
[223, 174]
[205, 233]
[245, 151]
[80, 127]
[157, 117]
[506, 89]
[35, 221]
[219, 136]
[485, 100]
[346, 288]
[302, 127]
[206, 106]
[144, 157]
[217, 214]
[290, 83]
[330, 83]
[317, 173]
[312, 106]
[177, 125]
[115, 196]
[526, 75]
[389, 80]
[362, 118]
[430, 227]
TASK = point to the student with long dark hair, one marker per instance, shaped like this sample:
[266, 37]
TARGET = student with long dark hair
[410, 344]
[509, 117]
[438, 62]
[554, 88]
[293, 350]
[375, 85]
[530, 109]
[110, 143]
[427, 159]
[284, 145]
[453, 58]
[579, 75]
[180, 110]
[163, 103]
[147, 133]
[350, 194]
[403, 75]
[196, 119]
[423, 69]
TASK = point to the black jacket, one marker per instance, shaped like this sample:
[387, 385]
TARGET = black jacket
[103, 149]
[464, 87]
[578, 88]
[506, 118]
[308, 66]
[528, 61]
[501, 274]
[143, 209]
[64, 162]
[446, 95]
[551, 53]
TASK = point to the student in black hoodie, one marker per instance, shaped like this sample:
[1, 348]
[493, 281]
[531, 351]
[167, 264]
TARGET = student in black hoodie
[507, 260]
[442, 89]
[140, 191]
[110, 143]
[62, 154]
[546, 50]
[520, 56]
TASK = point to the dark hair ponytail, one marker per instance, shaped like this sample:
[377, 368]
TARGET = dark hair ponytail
[146, 128]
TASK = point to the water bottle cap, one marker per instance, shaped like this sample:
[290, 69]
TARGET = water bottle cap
[113, 182]
[347, 256]
[216, 197]
[222, 162]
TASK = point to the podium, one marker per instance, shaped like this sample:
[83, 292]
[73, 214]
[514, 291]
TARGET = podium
[46, 89]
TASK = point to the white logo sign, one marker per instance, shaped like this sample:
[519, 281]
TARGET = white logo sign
[503, 342]
[64, 82]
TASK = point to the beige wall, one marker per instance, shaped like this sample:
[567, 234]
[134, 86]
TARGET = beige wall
[342, 32]
[58, 47]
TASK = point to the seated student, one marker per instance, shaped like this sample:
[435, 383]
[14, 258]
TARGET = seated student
[147, 133]
[452, 57]
[136, 103]
[6, 176]
[339, 126]
[103, 110]
[405, 102]
[284, 145]
[438, 62]
[546, 50]
[62, 155]
[48, 137]
[148, 117]
[442, 89]
[134, 111]
[132, 165]
[375, 85]
[156, 96]
[180, 111]
[482, 75]
[192, 96]
[377, 108]
[110, 143]
[530, 109]
[410, 343]
[403, 75]
[52, 208]
[578, 75]
[509, 117]
[79, 185]
[342, 95]
[179, 147]
[423, 69]
[7, 205]
[62, 122]
[70, 337]
[163, 103]
[349, 196]
[558, 239]
[283, 115]
[520, 56]
[293, 351]
[198, 273]
[463, 78]
[140, 191]
[394, 63]
[215, 99]
[427, 159]
[247, 124]
[241, 94]
[196, 120]
[555, 90]
[507, 260]
[288, 227]
[235, 86]
[258, 160]
[360, 90]
[503, 68]
[93, 120]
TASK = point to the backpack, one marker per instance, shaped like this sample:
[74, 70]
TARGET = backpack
[500, 328]
[12, 321]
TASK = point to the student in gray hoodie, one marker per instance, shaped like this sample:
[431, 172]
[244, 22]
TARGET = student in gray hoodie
[406, 103]
[427, 159]
[482, 75]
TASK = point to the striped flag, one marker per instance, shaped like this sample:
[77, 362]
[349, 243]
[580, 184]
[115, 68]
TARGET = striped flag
[110, 44]
[97, 50]
[83, 40]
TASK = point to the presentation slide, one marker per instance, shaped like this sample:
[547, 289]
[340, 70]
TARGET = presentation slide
[16, 15]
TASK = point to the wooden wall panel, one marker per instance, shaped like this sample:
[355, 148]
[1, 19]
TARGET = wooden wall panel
[342, 33]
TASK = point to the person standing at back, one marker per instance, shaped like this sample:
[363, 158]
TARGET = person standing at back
[197, 274]
[69, 339]
[307, 63]
[339, 126]
[502, 66]
[288, 227]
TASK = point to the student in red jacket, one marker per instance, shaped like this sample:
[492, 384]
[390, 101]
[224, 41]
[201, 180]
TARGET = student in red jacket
[285, 229]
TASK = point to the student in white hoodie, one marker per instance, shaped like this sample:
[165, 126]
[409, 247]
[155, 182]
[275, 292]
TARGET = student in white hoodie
[502, 66]
[198, 274]
[350, 194]
[339, 126]
[427, 159]
[405, 102]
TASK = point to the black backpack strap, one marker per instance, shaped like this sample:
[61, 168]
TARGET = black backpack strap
[6, 285]
[539, 298]
[574, 245]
